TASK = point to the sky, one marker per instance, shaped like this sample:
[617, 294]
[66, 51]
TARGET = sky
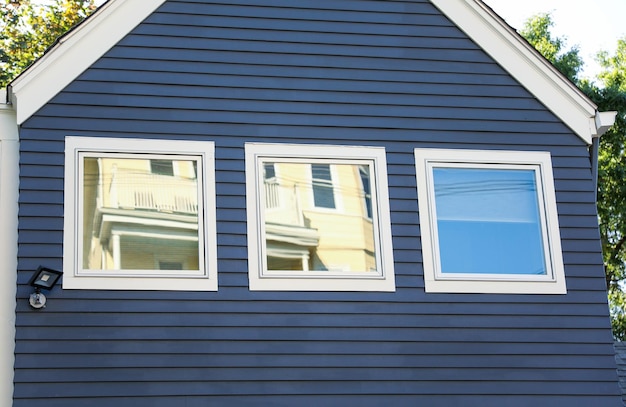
[593, 25]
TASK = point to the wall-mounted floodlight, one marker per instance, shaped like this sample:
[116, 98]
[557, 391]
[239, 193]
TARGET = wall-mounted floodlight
[45, 278]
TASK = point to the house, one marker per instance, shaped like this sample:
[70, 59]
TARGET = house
[277, 203]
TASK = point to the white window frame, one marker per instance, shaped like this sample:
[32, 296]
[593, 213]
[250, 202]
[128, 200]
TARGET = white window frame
[541, 163]
[260, 279]
[75, 277]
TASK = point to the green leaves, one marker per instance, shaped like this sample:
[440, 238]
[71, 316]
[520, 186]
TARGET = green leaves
[537, 32]
[614, 66]
[27, 29]
[612, 182]
[617, 306]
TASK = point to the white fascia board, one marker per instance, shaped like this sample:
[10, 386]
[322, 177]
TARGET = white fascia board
[76, 52]
[9, 178]
[524, 63]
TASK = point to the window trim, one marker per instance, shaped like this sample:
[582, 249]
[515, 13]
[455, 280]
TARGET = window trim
[540, 162]
[263, 280]
[75, 277]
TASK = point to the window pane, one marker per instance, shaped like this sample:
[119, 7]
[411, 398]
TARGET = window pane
[488, 221]
[323, 193]
[269, 171]
[138, 219]
[300, 238]
[163, 167]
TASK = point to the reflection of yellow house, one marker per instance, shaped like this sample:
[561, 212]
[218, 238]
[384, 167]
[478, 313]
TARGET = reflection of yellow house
[318, 217]
[140, 214]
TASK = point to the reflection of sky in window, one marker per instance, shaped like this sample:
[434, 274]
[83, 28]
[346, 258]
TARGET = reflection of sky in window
[483, 194]
[488, 221]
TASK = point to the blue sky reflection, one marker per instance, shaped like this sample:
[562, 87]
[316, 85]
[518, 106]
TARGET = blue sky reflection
[488, 221]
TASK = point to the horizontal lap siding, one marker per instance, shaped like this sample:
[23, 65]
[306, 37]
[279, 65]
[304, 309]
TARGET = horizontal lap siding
[378, 73]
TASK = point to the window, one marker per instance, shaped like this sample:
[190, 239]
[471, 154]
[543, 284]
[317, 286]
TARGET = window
[270, 171]
[322, 184]
[489, 222]
[163, 167]
[295, 242]
[139, 214]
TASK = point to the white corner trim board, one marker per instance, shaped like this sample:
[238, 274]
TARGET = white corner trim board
[9, 174]
[76, 52]
[525, 64]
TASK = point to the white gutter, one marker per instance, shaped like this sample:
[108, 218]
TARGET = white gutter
[9, 179]
[603, 122]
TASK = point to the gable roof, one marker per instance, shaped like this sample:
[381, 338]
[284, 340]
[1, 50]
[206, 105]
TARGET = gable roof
[84, 45]
[528, 66]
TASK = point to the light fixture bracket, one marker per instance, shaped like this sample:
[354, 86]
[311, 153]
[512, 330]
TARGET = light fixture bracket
[43, 278]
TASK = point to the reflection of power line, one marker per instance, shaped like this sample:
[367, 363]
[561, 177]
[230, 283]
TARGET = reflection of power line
[481, 187]
[345, 190]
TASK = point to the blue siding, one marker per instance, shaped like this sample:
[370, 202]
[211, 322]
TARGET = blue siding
[396, 74]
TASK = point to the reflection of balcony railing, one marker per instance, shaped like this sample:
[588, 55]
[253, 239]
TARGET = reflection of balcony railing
[286, 198]
[163, 193]
[272, 193]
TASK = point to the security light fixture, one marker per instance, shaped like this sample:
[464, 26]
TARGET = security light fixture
[45, 278]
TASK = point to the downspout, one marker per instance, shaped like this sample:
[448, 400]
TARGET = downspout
[9, 179]
[602, 122]
[593, 152]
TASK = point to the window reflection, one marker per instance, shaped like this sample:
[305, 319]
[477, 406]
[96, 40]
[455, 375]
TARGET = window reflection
[318, 217]
[488, 221]
[140, 214]
[322, 183]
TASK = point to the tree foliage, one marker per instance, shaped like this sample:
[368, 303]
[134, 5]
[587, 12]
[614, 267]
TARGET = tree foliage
[28, 28]
[537, 32]
[614, 73]
[608, 92]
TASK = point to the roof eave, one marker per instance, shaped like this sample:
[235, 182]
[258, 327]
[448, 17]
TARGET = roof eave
[525, 64]
[82, 47]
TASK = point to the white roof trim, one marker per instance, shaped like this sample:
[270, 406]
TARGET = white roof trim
[524, 63]
[75, 52]
[83, 46]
